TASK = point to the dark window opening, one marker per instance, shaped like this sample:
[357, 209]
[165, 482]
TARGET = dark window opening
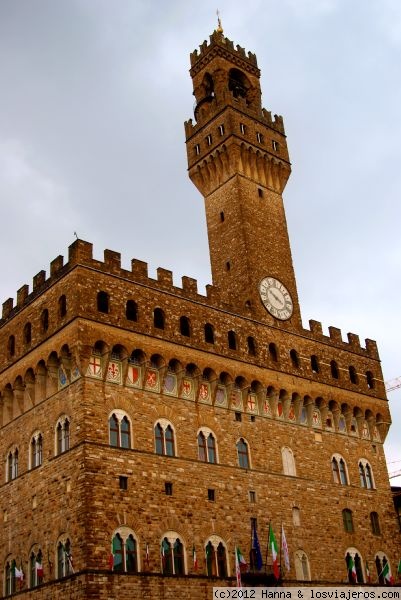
[123, 482]
[347, 521]
[222, 216]
[251, 346]
[273, 352]
[211, 495]
[158, 318]
[375, 524]
[238, 416]
[103, 302]
[221, 129]
[62, 306]
[353, 375]
[44, 320]
[252, 496]
[275, 145]
[294, 358]
[228, 266]
[260, 192]
[27, 333]
[185, 327]
[209, 333]
[334, 369]
[131, 310]
[11, 346]
[168, 488]
[314, 364]
[232, 340]
[370, 380]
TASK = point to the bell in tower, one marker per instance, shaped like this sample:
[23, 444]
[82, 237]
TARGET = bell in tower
[238, 160]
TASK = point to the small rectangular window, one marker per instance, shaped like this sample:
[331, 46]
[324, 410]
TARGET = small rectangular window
[275, 145]
[123, 482]
[260, 192]
[168, 487]
[210, 495]
[259, 137]
[252, 496]
[238, 416]
[197, 149]
[209, 140]
[221, 129]
[252, 418]
[254, 524]
[242, 128]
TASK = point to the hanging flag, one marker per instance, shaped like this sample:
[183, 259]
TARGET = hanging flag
[399, 569]
[351, 568]
[19, 574]
[69, 559]
[368, 577]
[256, 548]
[147, 554]
[39, 569]
[111, 561]
[284, 548]
[239, 560]
[272, 545]
[386, 572]
[194, 558]
[165, 547]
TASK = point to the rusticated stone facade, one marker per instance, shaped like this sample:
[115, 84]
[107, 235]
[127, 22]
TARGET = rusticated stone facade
[134, 412]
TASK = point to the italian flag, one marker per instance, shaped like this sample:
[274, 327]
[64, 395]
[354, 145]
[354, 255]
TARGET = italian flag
[386, 573]
[39, 569]
[367, 572]
[239, 560]
[351, 568]
[272, 544]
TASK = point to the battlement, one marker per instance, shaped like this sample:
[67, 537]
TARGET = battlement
[218, 39]
[81, 253]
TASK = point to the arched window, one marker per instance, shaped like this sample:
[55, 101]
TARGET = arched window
[207, 446]
[273, 352]
[44, 320]
[36, 450]
[35, 568]
[347, 520]
[216, 558]
[383, 569]
[232, 340]
[158, 318]
[375, 523]
[172, 553]
[27, 333]
[370, 380]
[103, 302]
[124, 557]
[64, 559]
[185, 328]
[354, 566]
[334, 369]
[365, 475]
[251, 346]
[314, 363]
[63, 435]
[119, 430]
[353, 376]
[339, 470]
[294, 358]
[11, 346]
[12, 464]
[131, 311]
[10, 578]
[288, 461]
[62, 306]
[209, 333]
[302, 571]
[164, 439]
[243, 454]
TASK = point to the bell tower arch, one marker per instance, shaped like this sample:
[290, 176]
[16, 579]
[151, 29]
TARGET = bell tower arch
[238, 159]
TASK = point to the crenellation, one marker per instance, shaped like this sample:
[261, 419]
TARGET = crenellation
[139, 269]
[315, 327]
[22, 295]
[165, 277]
[7, 307]
[56, 265]
[354, 341]
[112, 260]
[80, 252]
[335, 334]
[38, 280]
[371, 348]
[218, 39]
[189, 285]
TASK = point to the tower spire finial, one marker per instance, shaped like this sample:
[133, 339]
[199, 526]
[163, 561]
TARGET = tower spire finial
[219, 25]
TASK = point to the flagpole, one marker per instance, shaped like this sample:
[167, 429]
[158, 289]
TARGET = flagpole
[281, 545]
[267, 546]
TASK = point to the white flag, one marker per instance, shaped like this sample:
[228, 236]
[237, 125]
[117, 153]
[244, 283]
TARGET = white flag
[284, 548]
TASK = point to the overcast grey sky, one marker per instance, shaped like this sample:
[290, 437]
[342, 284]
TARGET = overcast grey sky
[93, 98]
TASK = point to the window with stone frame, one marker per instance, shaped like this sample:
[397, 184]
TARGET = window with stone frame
[36, 450]
[216, 557]
[207, 446]
[12, 464]
[243, 454]
[164, 438]
[172, 553]
[119, 430]
[62, 435]
[64, 558]
[365, 474]
[339, 470]
[124, 551]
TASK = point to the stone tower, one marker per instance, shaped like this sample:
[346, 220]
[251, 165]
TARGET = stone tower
[238, 159]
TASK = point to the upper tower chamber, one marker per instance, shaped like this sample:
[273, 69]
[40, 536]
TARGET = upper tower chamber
[238, 160]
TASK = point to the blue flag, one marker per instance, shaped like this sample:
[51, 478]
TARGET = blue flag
[256, 549]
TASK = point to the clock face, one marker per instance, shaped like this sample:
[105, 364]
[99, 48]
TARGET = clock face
[276, 298]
